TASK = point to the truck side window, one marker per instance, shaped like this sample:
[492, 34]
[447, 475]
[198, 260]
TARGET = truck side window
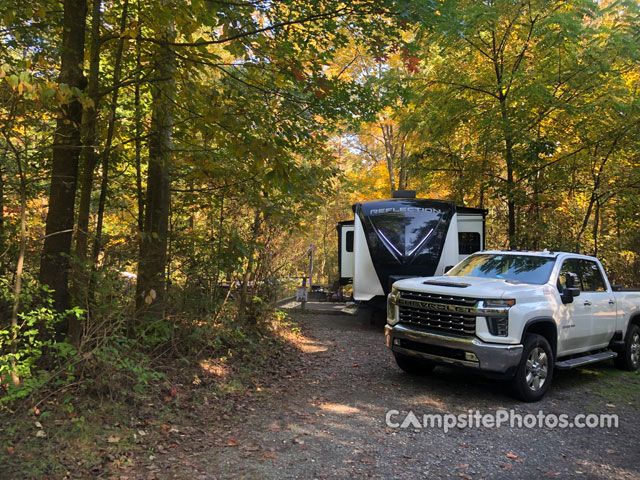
[589, 275]
[468, 243]
[592, 280]
[569, 266]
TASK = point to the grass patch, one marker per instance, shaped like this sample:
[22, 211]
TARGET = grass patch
[619, 387]
[614, 386]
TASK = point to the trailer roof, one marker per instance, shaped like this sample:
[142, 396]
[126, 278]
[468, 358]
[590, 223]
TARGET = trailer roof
[482, 211]
[459, 208]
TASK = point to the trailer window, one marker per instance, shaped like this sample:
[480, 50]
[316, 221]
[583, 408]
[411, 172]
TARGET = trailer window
[349, 241]
[468, 243]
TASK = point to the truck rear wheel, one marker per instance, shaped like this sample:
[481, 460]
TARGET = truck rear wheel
[412, 365]
[629, 358]
[533, 376]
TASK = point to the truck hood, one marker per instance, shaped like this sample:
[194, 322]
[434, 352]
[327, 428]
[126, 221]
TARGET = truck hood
[475, 287]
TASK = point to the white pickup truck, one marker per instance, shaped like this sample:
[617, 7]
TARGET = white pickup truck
[515, 315]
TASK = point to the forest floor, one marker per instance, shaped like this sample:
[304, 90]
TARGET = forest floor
[328, 421]
[323, 416]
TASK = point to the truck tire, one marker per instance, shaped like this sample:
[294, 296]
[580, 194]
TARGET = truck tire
[412, 365]
[629, 358]
[533, 376]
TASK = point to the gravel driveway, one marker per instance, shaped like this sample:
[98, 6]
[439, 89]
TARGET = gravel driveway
[328, 421]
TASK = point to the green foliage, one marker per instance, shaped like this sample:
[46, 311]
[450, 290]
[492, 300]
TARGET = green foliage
[529, 110]
[25, 346]
[284, 114]
[42, 364]
[120, 362]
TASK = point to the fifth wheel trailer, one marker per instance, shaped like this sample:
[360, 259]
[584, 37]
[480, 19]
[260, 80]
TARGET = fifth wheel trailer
[404, 237]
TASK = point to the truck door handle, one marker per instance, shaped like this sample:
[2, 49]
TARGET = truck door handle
[587, 303]
[611, 302]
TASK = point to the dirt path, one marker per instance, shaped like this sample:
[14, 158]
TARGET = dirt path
[329, 422]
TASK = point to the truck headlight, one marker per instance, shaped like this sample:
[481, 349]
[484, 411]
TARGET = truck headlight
[497, 314]
[392, 301]
[498, 303]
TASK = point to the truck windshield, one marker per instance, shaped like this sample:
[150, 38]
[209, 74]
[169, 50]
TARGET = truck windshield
[519, 268]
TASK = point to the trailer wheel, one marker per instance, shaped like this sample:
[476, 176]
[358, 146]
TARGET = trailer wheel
[629, 358]
[533, 376]
[412, 365]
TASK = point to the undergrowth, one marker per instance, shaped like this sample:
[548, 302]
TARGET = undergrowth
[77, 409]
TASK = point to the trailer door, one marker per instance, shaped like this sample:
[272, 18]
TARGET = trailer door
[345, 251]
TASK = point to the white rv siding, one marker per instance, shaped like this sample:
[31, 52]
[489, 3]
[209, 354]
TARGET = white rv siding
[366, 284]
[470, 223]
[449, 256]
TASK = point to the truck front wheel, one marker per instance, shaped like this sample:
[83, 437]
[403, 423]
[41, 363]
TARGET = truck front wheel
[533, 376]
[414, 366]
[629, 358]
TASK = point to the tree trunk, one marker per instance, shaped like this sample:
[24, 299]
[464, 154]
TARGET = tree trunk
[387, 136]
[218, 254]
[153, 254]
[244, 287]
[17, 285]
[508, 151]
[104, 184]
[403, 174]
[2, 232]
[138, 142]
[90, 159]
[325, 234]
[596, 228]
[585, 222]
[483, 175]
[54, 265]
[138, 148]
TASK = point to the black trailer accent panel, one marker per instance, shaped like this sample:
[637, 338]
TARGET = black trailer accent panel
[405, 236]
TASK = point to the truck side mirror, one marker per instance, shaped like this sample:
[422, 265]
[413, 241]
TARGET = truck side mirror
[570, 290]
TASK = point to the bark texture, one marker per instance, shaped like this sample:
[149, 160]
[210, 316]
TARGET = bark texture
[153, 253]
[54, 265]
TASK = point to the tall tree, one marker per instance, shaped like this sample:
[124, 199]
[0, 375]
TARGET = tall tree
[150, 289]
[54, 265]
[90, 156]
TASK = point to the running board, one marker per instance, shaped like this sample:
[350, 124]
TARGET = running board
[586, 360]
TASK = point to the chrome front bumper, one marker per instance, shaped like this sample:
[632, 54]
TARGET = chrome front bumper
[453, 350]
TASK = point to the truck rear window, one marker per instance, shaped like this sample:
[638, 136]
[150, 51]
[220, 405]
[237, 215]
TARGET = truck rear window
[519, 268]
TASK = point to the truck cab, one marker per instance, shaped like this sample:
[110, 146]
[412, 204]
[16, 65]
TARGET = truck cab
[516, 315]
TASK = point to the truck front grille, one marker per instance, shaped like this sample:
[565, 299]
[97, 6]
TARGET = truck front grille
[441, 313]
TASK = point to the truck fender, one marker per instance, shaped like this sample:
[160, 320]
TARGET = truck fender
[545, 326]
[633, 320]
